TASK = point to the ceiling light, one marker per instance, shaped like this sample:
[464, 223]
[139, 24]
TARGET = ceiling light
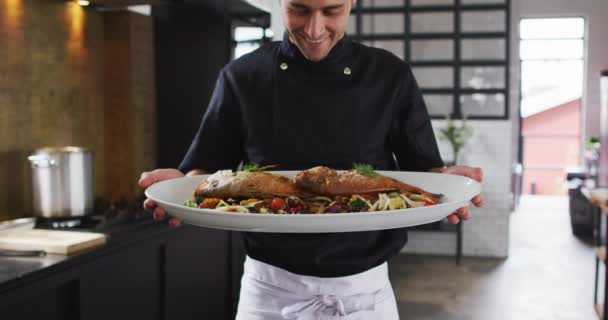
[83, 3]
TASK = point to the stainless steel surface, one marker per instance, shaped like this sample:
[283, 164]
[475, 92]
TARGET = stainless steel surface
[62, 183]
[17, 225]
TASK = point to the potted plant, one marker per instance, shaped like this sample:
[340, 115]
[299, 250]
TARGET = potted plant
[457, 136]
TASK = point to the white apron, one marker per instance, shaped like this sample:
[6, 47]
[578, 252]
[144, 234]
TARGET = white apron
[271, 293]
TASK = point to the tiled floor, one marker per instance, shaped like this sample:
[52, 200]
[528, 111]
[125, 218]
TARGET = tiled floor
[549, 274]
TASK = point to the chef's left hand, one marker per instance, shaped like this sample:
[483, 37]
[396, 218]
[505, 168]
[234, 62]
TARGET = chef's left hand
[473, 173]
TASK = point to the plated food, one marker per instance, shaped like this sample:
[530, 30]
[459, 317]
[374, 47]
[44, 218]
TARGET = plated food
[316, 190]
[171, 194]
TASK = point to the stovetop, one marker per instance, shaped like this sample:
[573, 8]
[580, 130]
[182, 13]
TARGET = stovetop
[106, 215]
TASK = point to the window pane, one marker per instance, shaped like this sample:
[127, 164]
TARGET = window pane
[244, 48]
[352, 25]
[439, 104]
[383, 23]
[483, 49]
[551, 49]
[394, 46]
[248, 33]
[540, 92]
[479, 104]
[434, 77]
[476, 21]
[431, 2]
[554, 28]
[425, 50]
[382, 3]
[482, 77]
[433, 22]
[483, 1]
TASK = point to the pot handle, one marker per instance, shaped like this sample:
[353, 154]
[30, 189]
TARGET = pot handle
[42, 161]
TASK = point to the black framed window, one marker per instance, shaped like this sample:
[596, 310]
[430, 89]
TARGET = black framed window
[458, 50]
[248, 38]
[249, 30]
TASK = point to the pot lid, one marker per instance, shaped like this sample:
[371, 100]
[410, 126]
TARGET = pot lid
[64, 149]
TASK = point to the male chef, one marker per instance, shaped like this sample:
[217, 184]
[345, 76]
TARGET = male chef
[316, 98]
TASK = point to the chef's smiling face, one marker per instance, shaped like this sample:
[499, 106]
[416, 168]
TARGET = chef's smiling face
[315, 26]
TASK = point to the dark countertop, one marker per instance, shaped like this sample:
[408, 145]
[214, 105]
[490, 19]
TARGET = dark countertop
[17, 271]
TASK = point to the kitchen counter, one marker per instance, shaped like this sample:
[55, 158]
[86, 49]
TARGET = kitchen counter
[17, 270]
[146, 270]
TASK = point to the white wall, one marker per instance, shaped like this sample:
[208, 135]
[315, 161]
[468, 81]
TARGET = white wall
[486, 234]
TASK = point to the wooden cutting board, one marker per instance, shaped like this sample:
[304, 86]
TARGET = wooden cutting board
[51, 241]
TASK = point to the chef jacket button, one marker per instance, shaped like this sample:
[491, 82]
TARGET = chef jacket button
[284, 66]
[347, 71]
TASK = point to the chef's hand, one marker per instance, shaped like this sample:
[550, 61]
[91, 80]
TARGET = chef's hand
[151, 177]
[473, 173]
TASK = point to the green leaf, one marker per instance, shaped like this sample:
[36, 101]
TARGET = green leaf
[250, 166]
[364, 169]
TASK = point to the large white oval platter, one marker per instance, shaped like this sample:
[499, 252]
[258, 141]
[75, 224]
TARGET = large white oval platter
[457, 190]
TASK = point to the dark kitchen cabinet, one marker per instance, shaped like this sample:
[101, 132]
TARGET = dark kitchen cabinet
[122, 286]
[197, 260]
[174, 273]
[49, 303]
[192, 44]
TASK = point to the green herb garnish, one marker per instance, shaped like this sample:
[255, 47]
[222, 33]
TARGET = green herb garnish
[365, 169]
[250, 167]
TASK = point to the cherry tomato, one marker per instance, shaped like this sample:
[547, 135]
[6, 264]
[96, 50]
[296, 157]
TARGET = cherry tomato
[428, 203]
[277, 204]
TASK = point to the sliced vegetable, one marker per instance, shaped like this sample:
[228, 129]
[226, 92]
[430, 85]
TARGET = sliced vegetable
[333, 208]
[222, 204]
[233, 209]
[248, 201]
[209, 203]
[191, 204]
[357, 205]
[296, 209]
[396, 203]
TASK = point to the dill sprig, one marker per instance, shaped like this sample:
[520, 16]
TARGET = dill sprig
[365, 169]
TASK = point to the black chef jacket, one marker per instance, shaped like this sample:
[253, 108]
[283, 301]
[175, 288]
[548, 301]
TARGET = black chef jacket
[359, 104]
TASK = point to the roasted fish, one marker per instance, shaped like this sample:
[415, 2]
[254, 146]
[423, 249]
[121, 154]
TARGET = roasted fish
[247, 184]
[329, 182]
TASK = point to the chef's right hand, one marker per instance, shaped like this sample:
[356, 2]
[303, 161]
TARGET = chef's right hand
[151, 177]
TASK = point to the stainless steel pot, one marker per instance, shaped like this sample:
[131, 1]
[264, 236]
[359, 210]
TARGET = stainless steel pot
[62, 182]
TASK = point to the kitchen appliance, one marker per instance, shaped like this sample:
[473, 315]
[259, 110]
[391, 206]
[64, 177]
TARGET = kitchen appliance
[603, 161]
[62, 182]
